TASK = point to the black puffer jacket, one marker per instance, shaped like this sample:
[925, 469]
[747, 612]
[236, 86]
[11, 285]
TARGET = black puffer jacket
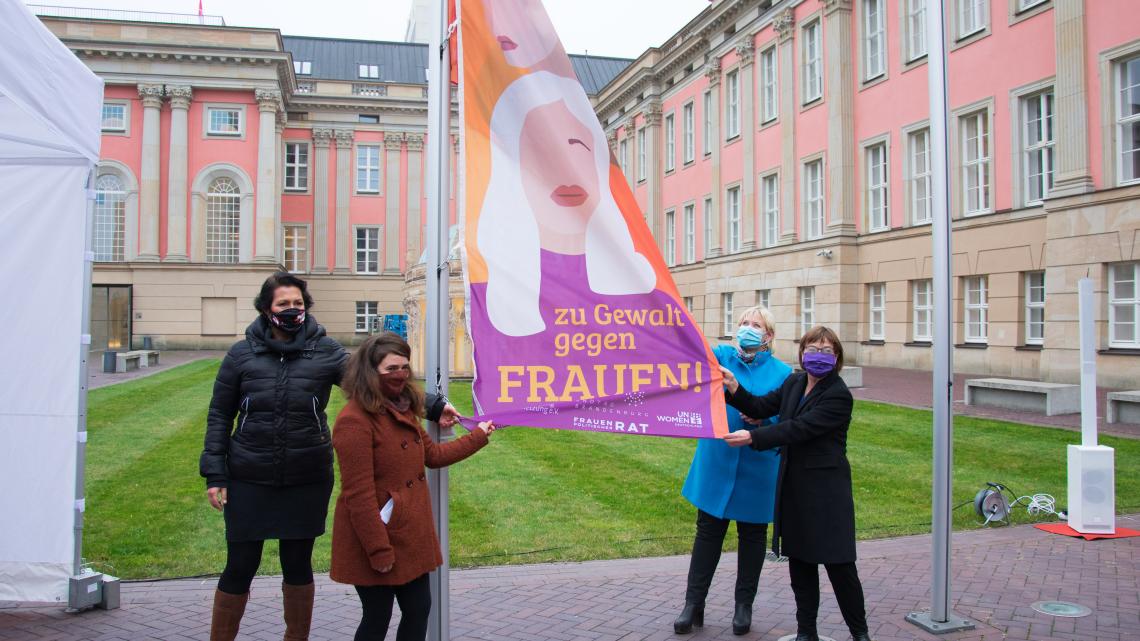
[278, 392]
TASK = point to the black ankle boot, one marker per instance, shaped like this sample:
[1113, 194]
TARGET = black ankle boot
[803, 636]
[742, 619]
[693, 614]
[861, 637]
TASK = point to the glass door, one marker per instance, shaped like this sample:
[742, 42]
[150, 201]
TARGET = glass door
[110, 317]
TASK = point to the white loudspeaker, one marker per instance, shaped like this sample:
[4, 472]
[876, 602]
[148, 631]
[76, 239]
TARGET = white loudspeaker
[1092, 489]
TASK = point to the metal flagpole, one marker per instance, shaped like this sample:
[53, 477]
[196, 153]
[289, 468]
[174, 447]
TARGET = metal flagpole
[940, 619]
[436, 277]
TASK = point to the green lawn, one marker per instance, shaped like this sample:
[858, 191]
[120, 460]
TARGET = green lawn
[532, 495]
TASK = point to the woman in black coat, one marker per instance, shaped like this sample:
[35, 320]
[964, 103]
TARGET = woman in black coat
[815, 513]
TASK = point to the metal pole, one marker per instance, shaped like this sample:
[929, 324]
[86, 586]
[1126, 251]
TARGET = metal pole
[436, 272]
[939, 619]
[84, 354]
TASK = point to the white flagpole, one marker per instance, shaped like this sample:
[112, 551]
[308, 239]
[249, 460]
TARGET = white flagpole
[436, 274]
[940, 619]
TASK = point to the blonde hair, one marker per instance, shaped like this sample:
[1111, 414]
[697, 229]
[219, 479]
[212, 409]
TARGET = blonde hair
[764, 314]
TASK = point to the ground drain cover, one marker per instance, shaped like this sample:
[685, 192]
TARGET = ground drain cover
[1061, 609]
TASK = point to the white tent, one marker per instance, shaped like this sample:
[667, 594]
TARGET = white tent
[50, 113]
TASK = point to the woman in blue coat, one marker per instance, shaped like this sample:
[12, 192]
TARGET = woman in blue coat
[734, 484]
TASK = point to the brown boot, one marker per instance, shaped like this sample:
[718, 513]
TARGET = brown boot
[298, 601]
[228, 610]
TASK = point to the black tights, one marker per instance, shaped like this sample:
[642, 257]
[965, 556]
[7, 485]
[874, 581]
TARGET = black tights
[244, 557]
[848, 592]
[751, 539]
[415, 606]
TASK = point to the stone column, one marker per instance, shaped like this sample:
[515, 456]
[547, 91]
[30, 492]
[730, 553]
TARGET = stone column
[713, 245]
[279, 188]
[321, 140]
[343, 240]
[785, 29]
[654, 166]
[611, 140]
[840, 84]
[149, 184]
[746, 52]
[265, 234]
[1070, 96]
[631, 149]
[415, 188]
[180, 97]
[393, 143]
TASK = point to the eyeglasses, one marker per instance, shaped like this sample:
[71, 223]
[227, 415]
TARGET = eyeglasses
[818, 350]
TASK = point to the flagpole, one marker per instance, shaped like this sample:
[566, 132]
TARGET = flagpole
[436, 272]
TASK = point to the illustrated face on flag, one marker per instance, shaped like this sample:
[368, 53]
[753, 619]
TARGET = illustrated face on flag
[574, 318]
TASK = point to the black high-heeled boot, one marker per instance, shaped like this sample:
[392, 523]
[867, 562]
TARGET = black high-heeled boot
[691, 615]
[742, 619]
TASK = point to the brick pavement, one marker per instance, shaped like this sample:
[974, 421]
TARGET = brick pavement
[997, 572]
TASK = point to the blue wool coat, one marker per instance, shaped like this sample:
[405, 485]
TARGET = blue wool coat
[737, 483]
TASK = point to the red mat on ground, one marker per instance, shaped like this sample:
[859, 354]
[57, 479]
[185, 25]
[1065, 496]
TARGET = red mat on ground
[1063, 528]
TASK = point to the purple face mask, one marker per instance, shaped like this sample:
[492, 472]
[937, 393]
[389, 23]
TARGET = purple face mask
[819, 364]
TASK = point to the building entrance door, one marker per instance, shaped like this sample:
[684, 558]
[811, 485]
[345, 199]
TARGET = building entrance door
[110, 317]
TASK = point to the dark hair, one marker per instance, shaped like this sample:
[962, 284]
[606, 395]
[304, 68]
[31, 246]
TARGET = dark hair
[264, 298]
[821, 333]
[362, 380]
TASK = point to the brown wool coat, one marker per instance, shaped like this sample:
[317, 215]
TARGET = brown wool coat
[380, 457]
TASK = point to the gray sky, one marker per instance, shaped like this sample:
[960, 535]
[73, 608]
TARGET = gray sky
[624, 28]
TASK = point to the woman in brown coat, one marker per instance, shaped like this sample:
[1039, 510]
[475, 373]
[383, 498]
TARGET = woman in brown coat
[384, 540]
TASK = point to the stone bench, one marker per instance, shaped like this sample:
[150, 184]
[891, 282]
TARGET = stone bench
[1123, 407]
[851, 374]
[1049, 399]
[127, 361]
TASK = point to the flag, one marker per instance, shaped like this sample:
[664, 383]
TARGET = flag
[574, 318]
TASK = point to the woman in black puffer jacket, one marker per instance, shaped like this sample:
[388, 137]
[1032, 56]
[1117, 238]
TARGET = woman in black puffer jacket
[271, 471]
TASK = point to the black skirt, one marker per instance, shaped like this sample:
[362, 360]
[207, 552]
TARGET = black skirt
[257, 512]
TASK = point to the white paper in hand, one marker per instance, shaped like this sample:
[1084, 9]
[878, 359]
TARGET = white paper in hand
[386, 511]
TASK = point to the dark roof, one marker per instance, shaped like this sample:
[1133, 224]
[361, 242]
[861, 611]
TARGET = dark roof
[406, 62]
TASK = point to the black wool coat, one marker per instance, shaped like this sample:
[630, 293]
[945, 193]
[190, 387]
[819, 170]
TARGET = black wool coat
[815, 512]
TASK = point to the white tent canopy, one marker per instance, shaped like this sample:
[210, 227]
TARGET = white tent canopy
[50, 112]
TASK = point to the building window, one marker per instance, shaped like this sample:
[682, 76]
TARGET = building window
[874, 39]
[731, 105]
[916, 29]
[923, 298]
[1128, 120]
[729, 324]
[706, 124]
[367, 316]
[876, 178]
[690, 234]
[109, 237]
[918, 177]
[223, 121]
[807, 309]
[732, 206]
[1034, 308]
[670, 238]
[770, 186]
[812, 63]
[813, 198]
[971, 17]
[296, 166]
[1022, 5]
[688, 144]
[623, 156]
[114, 117]
[707, 215]
[975, 163]
[368, 119]
[877, 306]
[369, 71]
[641, 154]
[977, 309]
[303, 67]
[367, 250]
[368, 169]
[769, 89]
[688, 302]
[296, 247]
[764, 299]
[223, 217]
[1123, 305]
[1037, 154]
[670, 144]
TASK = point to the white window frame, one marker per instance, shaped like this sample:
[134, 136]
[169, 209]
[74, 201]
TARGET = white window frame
[365, 311]
[811, 61]
[764, 298]
[732, 105]
[300, 178]
[769, 85]
[922, 303]
[814, 204]
[727, 315]
[1043, 129]
[623, 156]
[671, 237]
[690, 241]
[706, 123]
[1025, 5]
[975, 301]
[732, 209]
[877, 311]
[219, 249]
[976, 161]
[368, 71]
[876, 186]
[294, 250]
[1125, 123]
[914, 20]
[641, 161]
[807, 309]
[366, 255]
[874, 25]
[109, 224]
[1035, 308]
[688, 141]
[687, 301]
[121, 129]
[707, 219]
[371, 170]
[303, 67]
[209, 121]
[670, 143]
[1116, 274]
[973, 17]
[918, 175]
[770, 200]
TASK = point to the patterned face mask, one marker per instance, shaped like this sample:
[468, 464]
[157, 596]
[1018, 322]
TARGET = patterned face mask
[290, 320]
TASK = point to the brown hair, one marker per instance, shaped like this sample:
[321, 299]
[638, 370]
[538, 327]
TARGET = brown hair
[362, 380]
[821, 333]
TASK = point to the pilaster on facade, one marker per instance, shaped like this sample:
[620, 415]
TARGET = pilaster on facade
[654, 147]
[393, 146]
[1073, 171]
[784, 25]
[746, 54]
[322, 139]
[176, 181]
[343, 240]
[713, 246]
[279, 187]
[630, 129]
[611, 140]
[269, 103]
[150, 181]
[415, 142]
[840, 166]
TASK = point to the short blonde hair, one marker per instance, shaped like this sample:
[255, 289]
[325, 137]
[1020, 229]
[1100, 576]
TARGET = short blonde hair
[764, 314]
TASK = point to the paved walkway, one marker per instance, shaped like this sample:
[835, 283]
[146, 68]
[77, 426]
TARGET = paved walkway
[167, 359]
[997, 574]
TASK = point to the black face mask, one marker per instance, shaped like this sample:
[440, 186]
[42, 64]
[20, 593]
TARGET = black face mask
[290, 320]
